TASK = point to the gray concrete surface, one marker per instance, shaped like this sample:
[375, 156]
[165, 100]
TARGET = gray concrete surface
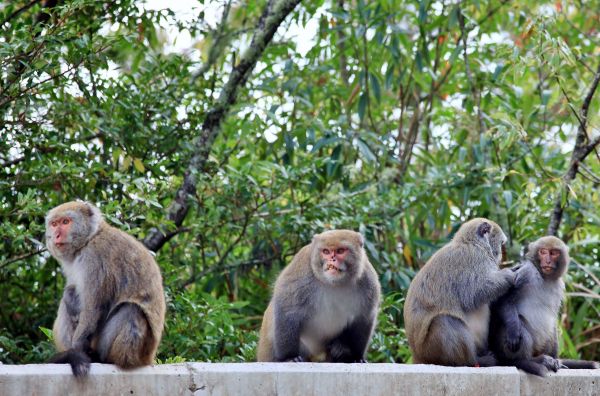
[266, 379]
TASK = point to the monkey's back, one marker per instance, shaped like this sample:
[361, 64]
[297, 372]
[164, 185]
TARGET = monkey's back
[430, 295]
[133, 276]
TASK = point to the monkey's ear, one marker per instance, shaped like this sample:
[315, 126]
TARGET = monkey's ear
[89, 211]
[361, 240]
[483, 228]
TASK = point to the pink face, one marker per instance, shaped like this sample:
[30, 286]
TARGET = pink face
[60, 228]
[333, 259]
[548, 260]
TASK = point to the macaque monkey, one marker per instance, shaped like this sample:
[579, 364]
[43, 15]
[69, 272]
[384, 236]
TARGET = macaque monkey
[324, 304]
[523, 331]
[113, 306]
[447, 312]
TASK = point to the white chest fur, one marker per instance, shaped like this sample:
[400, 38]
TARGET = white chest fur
[74, 274]
[336, 308]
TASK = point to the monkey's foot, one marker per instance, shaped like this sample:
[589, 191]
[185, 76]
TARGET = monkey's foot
[550, 363]
[486, 360]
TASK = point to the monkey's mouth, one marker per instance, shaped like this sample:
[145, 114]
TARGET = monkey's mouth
[60, 245]
[547, 269]
[334, 269]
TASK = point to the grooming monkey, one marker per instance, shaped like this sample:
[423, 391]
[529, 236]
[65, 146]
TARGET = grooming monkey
[113, 305]
[447, 312]
[523, 329]
[324, 304]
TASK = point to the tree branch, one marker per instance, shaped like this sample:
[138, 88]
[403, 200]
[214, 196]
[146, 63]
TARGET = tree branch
[273, 15]
[580, 152]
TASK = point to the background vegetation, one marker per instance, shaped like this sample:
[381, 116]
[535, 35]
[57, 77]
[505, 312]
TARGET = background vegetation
[400, 119]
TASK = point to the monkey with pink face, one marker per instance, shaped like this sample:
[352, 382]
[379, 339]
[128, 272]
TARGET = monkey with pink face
[324, 304]
[523, 329]
[113, 305]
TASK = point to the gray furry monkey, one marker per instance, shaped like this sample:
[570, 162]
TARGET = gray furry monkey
[446, 313]
[523, 330]
[113, 306]
[324, 304]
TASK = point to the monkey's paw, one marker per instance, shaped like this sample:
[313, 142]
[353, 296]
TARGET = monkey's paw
[297, 359]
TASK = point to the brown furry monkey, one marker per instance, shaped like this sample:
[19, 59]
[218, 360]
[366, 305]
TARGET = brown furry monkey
[523, 330]
[446, 312]
[113, 306]
[324, 304]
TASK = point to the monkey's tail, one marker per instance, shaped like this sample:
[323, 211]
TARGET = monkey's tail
[79, 361]
[578, 364]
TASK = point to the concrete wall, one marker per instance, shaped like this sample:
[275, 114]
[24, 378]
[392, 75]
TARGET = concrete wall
[292, 379]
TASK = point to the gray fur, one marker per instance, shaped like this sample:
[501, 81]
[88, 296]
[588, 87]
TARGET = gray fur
[446, 312]
[523, 329]
[314, 318]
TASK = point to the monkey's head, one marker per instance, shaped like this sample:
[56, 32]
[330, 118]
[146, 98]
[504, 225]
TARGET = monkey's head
[550, 256]
[337, 256]
[483, 233]
[69, 227]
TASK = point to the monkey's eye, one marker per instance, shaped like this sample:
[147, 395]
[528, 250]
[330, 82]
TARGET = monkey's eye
[555, 253]
[544, 251]
[65, 221]
[326, 252]
[340, 250]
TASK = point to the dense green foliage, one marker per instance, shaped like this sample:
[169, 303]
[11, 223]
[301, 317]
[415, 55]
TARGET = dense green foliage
[385, 125]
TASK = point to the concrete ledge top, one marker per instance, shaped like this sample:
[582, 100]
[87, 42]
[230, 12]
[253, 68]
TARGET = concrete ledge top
[292, 379]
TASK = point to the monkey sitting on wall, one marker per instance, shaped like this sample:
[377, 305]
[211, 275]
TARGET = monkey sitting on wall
[324, 304]
[113, 306]
[523, 330]
[447, 312]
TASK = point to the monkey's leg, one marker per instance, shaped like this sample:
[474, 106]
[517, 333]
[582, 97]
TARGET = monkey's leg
[126, 339]
[351, 345]
[449, 342]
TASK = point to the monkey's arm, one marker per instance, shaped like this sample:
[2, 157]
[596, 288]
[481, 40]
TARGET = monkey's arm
[509, 316]
[287, 327]
[484, 288]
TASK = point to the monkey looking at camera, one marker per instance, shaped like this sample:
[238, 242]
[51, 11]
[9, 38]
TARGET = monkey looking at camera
[446, 313]
[113, 305]
[324, 304]
[523, 331]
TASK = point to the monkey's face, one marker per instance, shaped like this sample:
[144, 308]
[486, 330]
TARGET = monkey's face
[549, 260]
[59, 230]
[333, 261]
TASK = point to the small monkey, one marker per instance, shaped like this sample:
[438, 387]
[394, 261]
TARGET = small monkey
[447, 312]
[523, 329]
[324, 304]
[113, 305]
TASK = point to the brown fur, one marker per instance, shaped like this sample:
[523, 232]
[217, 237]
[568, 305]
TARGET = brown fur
[113, 306]
[446, 312]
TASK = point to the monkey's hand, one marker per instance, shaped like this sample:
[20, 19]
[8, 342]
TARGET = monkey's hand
[509, 275]
[79, 361]
[513, 338]
[297, 359]
[520, 280]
